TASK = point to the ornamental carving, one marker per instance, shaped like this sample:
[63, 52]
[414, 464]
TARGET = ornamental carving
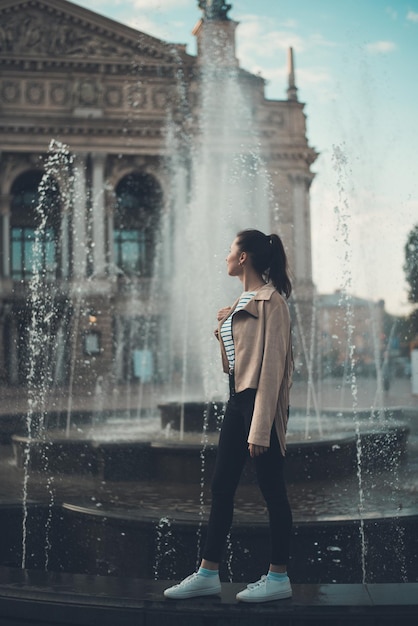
[59, 93]
[137, 97]
[31, 33]
[43, 32]
[113, 96]
[160, 98]
[35, 92]
[87, 92]
[10, 91]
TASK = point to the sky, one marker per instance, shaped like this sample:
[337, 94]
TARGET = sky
[357, 72]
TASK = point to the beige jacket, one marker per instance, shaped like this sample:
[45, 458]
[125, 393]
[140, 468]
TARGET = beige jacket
[263, 361]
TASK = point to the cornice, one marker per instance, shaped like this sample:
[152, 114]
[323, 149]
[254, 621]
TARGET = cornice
[308, 155]
[51, 129]
[102, 66]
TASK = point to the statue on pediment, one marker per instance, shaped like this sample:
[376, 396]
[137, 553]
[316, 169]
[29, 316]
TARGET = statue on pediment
[215, 9]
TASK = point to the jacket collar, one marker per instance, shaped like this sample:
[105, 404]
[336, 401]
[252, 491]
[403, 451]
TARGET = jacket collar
[264, 293]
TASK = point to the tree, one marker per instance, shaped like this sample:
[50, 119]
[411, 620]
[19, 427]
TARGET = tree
[411, 264]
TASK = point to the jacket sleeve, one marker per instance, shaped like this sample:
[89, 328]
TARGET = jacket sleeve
[272, 372]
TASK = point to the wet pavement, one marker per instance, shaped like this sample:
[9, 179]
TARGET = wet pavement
[41, 599]
[53, 598]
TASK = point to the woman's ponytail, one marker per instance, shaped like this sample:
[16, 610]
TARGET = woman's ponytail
[268, 257]
[278, 271]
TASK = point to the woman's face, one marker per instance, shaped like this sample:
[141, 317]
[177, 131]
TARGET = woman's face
[234, 267]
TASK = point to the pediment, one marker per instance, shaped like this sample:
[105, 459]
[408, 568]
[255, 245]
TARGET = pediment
[58, 29]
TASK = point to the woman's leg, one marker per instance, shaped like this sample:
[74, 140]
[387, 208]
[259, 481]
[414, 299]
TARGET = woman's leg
[269, 468]
[232, 453]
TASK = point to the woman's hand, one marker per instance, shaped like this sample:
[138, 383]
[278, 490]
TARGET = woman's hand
[223, 313]
[256, 450]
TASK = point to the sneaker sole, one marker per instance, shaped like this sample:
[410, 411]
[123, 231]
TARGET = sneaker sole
[277, 596]
[193, 594]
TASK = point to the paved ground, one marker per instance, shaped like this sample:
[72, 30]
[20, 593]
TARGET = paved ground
[83, 600]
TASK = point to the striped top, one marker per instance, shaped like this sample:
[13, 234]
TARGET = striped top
[226, 328]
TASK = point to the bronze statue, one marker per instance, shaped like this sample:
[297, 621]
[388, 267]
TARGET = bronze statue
[214, 9]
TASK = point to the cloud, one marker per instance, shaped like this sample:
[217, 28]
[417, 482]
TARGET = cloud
[380, 47]
[262, 46]
[146, 25]
[313, 76]
[412, 16]
[275, 38]
[392, 13]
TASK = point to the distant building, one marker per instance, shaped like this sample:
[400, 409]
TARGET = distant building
[105, 89]
[349, 328]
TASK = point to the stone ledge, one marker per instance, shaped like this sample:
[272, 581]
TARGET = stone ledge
[48, 598]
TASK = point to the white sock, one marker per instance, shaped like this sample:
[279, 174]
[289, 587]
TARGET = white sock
[207, 573]
[277, 575]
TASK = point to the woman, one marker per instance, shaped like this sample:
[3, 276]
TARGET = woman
[255, 340]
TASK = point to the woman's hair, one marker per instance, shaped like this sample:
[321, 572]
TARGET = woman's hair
[268, 257]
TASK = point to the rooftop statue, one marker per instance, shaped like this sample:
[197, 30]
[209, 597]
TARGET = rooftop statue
[214, 9]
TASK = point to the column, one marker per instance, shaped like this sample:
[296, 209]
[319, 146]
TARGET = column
[5, 236]
[6, 244]
[65, 245]
[98, 214]
[79, 256]
[302, 233]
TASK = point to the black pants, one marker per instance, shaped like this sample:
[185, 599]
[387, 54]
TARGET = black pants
[232, 454]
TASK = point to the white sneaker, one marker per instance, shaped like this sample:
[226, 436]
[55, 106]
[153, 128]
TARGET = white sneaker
[265, 590]
[193, 586]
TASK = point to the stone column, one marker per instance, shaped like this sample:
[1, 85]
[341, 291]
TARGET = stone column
[110, 232]
[13, 356]
[5, 236]
[65, 242]
[79, 251]
[302, 229]
[98, 214]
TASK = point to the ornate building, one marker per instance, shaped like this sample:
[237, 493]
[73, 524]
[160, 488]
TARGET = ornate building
[102, 92]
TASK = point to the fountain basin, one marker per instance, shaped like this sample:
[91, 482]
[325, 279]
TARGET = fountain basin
[196, 416]
[126, 542]
[171, 460]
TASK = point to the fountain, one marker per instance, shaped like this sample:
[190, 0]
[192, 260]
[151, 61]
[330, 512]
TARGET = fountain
[128, 497]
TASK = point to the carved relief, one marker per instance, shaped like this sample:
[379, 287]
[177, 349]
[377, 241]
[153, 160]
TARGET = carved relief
[35, 33]
[137, 96]
[160, 98]
[10, 91]
[113, 96]
[87, 92]
[59, 93]
[35, 92]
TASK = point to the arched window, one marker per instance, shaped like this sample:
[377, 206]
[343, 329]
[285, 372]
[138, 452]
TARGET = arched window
[137, 212]
[35, 217]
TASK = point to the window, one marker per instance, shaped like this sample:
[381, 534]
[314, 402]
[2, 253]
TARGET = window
[34, 227]
[130, 251]
[136, 348]
[137, 211]
[32, 251]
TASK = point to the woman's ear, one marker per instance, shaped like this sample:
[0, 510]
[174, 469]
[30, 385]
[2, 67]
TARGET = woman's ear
[242, 258]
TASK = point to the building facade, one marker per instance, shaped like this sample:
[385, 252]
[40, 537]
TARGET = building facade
[351, 334]
[84, 184]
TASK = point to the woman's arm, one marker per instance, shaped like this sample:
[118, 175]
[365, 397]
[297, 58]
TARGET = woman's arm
[276, 346]
[256, 450]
